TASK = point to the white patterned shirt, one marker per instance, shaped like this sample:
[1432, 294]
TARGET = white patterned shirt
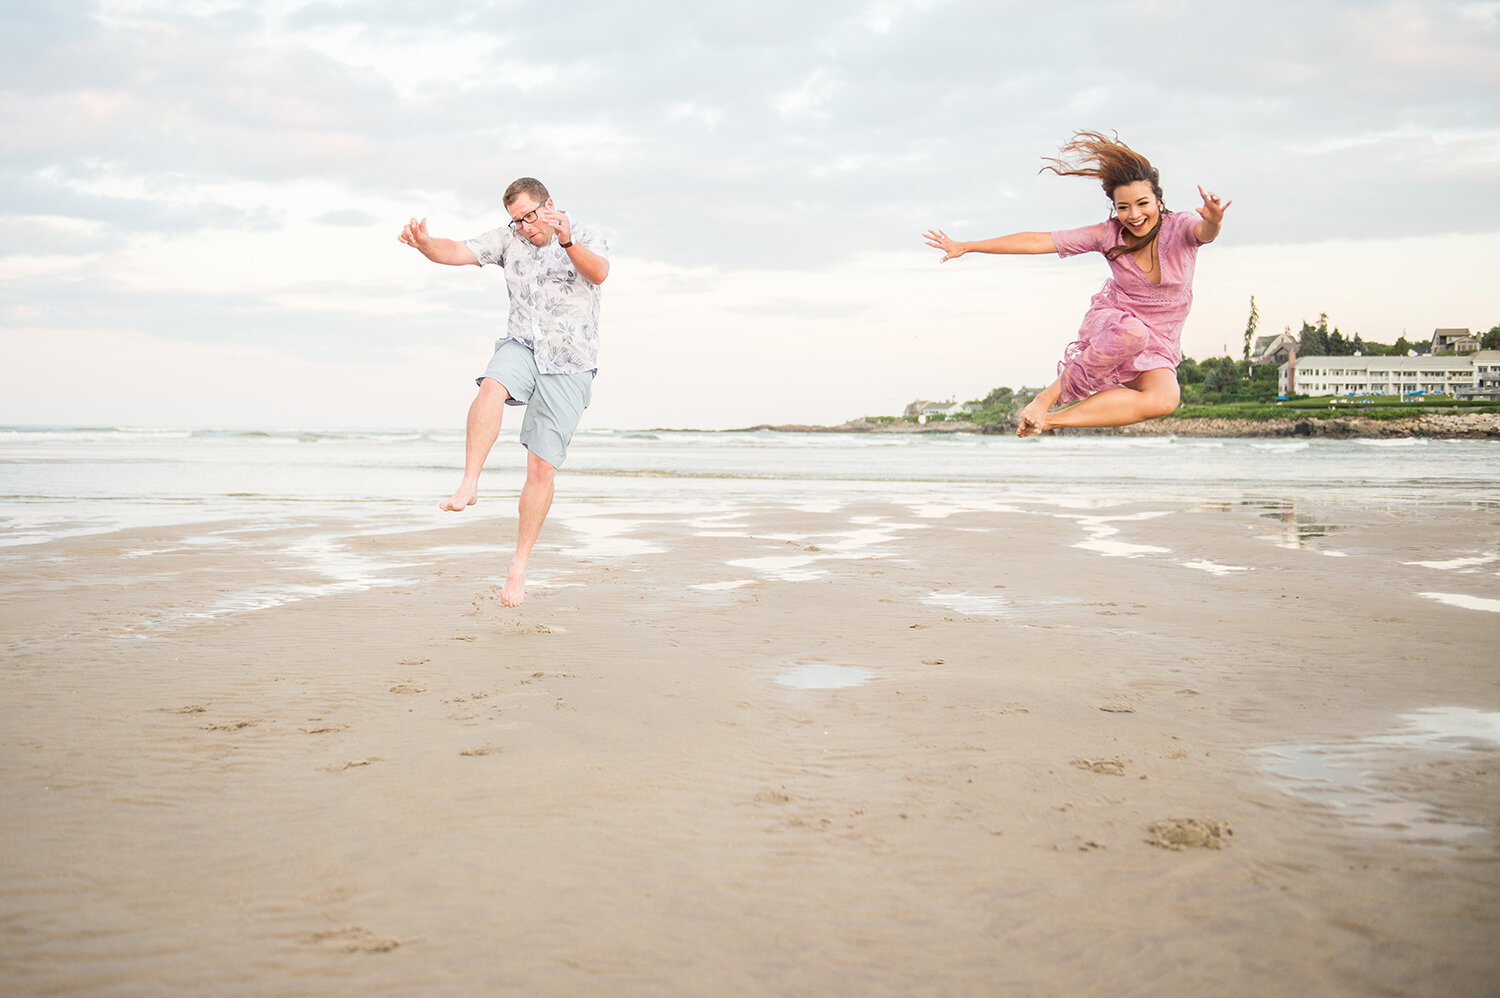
[554, 309]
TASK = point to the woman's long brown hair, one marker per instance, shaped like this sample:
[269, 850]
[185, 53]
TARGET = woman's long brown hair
[1113, 164]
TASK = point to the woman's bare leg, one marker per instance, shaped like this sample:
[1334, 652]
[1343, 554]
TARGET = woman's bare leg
[1148, 395]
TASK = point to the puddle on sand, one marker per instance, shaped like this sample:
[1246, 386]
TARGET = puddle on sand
[1465, 602]
[993, 606]
[1296, 530]
[1345, 776]
[782, 567]
[720, 587]
[1457, 564]
[970, 604]
[820, 676]
[1213, 567]
[1100, 533]
[1446, 727]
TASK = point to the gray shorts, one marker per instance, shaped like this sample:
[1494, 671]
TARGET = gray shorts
[554, 402]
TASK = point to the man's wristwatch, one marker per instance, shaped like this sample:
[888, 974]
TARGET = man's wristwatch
[565, 245]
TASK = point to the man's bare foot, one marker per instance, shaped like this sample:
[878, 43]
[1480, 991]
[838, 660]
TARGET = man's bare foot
[513, 593]
[1033, 420]
[466, 496]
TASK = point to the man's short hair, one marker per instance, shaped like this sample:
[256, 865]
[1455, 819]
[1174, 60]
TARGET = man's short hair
[526, 185]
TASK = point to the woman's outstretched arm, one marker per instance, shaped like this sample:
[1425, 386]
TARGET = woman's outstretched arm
[1016, 242]
[1207, 229]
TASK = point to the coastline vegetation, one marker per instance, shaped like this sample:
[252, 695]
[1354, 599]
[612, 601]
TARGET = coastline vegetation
[1227, 388]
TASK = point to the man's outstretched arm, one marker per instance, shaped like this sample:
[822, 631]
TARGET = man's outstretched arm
[448, 251]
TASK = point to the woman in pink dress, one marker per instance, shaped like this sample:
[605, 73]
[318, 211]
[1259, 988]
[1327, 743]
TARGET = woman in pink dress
[1122, 368]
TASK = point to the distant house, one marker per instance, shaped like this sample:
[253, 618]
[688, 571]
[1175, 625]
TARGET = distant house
[1476, 376]
[1461, 340]
[923, 409]
[1272, 349]
[1487, 375]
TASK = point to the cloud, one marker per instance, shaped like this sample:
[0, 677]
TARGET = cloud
[348, 217]
[225, 172]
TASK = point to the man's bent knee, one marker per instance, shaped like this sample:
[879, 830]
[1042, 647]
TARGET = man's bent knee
[539, 469]
[492, 390]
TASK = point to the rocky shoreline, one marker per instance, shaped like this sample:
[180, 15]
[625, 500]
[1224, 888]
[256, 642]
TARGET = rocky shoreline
[1457, 426]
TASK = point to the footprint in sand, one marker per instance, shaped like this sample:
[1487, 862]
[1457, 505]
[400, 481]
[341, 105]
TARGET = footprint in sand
[483, 750]
[353, 940]
[352, 764]
[408, 688]
[325, 729]
[230, 726]
[1109, 767]
[192, 708]
[1178, 834]
[413, 661]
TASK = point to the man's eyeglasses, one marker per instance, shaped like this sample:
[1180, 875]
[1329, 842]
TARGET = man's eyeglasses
[525, 219]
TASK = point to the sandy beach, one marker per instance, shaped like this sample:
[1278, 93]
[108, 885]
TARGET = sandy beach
[873, 749]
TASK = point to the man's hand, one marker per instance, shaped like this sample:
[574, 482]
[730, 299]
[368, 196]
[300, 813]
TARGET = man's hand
[415, 234]
[554, 218]
[444, 251]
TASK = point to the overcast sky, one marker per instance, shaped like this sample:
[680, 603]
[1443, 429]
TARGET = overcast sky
[201, 200]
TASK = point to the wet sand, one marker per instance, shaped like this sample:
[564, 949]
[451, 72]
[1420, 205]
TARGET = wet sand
[1152, 748]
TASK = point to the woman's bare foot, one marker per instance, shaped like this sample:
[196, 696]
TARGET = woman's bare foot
[513, 593]
[466, 496]
[1033, 419]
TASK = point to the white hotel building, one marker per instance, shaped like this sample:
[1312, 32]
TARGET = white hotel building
[1464, 376]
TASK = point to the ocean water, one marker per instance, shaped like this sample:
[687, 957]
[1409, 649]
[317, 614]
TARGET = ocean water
[60, 482]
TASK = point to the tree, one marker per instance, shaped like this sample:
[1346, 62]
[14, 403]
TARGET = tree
[1223, 377]
[1189, 373]
[1263, 385]
[1401, 347]
[1491, 339]
[1313, 340]
[1250, 326]
[996, 397]
[1337, 345]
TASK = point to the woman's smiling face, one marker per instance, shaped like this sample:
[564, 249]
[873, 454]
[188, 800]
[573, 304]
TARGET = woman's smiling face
[1136, 207]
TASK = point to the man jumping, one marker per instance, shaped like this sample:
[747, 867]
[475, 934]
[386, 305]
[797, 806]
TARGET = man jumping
[548, 356]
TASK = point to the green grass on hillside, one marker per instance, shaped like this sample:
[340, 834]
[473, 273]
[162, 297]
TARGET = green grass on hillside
[1332, 407]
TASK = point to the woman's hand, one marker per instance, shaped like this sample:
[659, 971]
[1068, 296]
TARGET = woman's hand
[1212, 211]
[938, 239]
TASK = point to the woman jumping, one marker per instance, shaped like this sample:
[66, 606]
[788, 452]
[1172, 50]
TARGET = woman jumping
[1123, 367]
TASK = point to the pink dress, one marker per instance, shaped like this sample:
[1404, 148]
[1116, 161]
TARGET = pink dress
[1132, 325]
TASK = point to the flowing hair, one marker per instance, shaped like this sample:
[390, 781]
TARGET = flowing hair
[1113, 164]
